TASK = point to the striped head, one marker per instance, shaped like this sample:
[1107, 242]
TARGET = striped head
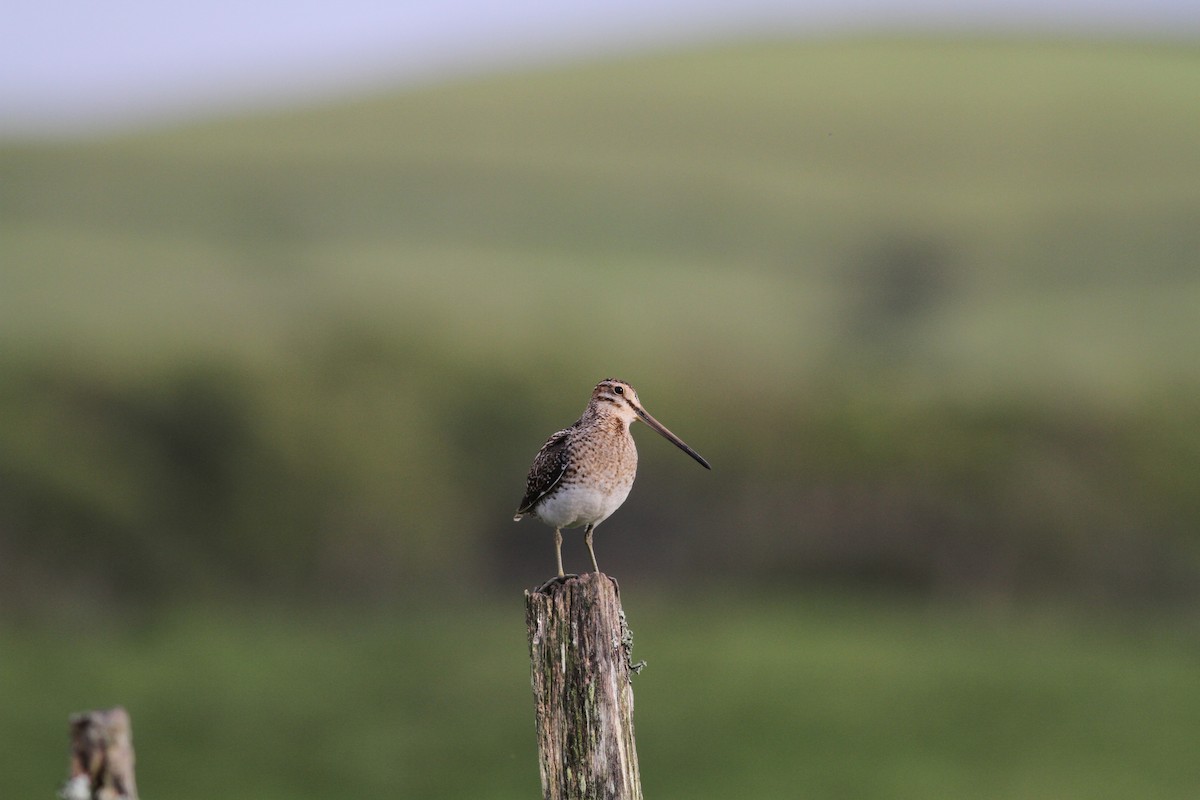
[616, 398]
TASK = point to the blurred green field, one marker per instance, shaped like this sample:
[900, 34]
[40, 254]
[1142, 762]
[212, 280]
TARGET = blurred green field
[723, 204]
[927, 305]
[748, 696]
[269, 387]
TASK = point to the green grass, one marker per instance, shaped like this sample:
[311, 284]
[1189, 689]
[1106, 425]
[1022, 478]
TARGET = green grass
[1054, 182]
[769, 698]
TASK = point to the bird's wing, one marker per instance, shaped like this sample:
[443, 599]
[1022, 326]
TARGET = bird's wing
[549, 466]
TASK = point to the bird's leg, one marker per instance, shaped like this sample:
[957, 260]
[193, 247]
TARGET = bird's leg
[558, 550]
[587, 537]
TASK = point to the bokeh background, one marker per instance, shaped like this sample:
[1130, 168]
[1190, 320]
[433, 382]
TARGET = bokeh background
[291, 295]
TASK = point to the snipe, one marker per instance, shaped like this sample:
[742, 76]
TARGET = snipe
[583, 473]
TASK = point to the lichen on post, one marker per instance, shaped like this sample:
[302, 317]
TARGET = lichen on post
[579, 647]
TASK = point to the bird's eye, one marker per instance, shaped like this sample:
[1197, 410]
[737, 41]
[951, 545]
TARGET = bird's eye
[619, 389]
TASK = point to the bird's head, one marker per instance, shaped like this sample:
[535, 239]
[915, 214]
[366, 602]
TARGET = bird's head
[617, 398]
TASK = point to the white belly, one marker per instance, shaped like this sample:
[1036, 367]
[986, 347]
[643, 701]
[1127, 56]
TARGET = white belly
[576, 505]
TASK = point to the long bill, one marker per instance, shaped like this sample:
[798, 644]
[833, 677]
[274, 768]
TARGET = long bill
[670, 437]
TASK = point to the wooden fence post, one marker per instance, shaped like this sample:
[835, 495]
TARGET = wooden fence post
[579, 654]
[101, 757]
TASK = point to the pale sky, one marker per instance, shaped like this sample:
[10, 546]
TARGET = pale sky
[70, 66]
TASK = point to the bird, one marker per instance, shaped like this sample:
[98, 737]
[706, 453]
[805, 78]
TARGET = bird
[584, 472]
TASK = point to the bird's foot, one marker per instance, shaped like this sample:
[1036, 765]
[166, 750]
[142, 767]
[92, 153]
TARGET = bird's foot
[558, 579]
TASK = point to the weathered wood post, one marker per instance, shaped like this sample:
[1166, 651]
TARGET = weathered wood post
[579, 648]
[101, 757]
